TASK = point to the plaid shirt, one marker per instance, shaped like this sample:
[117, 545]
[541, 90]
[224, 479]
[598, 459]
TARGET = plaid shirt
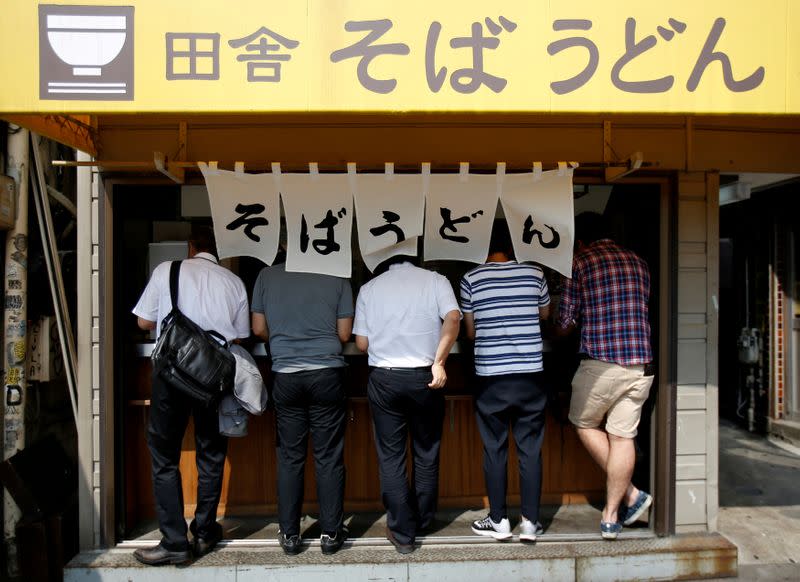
[608, 296]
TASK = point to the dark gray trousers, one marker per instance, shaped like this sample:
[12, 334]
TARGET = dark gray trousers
[517, 401]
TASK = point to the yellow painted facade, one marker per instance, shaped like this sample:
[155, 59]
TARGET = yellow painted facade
[432, 52]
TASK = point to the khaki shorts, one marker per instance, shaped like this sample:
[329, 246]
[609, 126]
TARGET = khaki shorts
[602, 389]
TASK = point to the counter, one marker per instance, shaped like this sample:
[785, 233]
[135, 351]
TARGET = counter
[570, 475]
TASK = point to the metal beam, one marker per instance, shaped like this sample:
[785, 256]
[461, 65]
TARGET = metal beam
[76, 131]
[60, 306]
[635, 162]
[86, 505]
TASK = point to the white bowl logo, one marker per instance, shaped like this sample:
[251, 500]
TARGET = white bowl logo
[86, 52]
[86, 42]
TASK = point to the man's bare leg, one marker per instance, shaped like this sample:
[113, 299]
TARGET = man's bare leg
[619, 470]
[597, 442]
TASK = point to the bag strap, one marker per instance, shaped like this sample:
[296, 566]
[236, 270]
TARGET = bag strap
[174, 275]
[219, 337]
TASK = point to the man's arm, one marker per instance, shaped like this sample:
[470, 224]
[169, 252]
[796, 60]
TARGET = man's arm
[469, 324]
[544, 312]
[564, 330]
[360, 323]
[145, 324]
[259, 324]
[569, 308]
[146, 309]
[447, 337]
[344, 328]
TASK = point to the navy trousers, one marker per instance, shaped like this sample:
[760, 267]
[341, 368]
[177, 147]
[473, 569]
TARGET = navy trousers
[169, 417]
[401, 404]
[310, 401]
[515, 401]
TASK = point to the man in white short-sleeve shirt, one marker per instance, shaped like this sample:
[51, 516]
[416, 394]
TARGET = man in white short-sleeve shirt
[407, 319]
[215, 299]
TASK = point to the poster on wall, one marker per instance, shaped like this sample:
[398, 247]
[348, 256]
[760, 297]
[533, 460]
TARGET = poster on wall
[319, 222]
[459, 213]
[389, 214]
[245, 211]
[539, 211]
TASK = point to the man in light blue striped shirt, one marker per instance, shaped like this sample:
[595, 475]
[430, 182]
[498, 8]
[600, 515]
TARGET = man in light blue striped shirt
[503, 303]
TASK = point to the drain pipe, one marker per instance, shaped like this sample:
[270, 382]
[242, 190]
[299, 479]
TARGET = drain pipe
[15, 329]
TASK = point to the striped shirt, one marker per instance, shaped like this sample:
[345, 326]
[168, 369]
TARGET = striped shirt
[608, 294]
[504, 299]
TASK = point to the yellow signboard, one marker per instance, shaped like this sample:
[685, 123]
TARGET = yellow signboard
[714, 56]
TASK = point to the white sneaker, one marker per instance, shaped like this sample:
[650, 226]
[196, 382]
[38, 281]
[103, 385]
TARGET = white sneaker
[487, 527]
[528, 530]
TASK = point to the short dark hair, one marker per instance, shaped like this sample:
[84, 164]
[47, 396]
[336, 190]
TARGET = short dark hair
[591, 227]
[202, 239]
[501, 239]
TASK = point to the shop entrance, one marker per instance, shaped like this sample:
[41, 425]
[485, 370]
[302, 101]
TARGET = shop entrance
[145, 221]
[793, 399]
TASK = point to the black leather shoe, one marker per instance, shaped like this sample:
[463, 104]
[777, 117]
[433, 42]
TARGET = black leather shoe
[332, 544]
[401, 548]
[290, 544]
[429, 527]
[203, 545]
[161, 556]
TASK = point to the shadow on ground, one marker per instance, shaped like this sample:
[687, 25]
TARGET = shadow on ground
[755, 472]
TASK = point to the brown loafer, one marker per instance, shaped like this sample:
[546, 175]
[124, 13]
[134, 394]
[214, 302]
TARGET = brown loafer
[401, 548]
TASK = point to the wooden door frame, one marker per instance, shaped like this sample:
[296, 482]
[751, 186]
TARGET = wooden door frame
[663, 430]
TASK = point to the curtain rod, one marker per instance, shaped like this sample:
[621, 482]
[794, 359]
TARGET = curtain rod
[150, 165]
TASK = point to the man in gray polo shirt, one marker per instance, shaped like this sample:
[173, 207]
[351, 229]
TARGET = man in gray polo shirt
[306, 317]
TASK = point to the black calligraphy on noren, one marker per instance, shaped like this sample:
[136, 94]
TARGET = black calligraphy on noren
[528, 234]
[450, 224]
[390, 226]
[323, 246]
[248, 220]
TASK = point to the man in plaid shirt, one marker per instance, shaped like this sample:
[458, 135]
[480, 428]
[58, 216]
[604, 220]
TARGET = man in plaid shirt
[607, 297]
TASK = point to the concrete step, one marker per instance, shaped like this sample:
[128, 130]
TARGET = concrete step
[635, 556]
[787, 431]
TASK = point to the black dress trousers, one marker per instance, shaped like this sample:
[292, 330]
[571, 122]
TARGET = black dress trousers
[401, 404]
[169, 417]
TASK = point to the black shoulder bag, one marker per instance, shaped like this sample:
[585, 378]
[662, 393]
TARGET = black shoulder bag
[190, 359]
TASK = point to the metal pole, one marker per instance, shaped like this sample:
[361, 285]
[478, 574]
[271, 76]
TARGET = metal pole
[15, 330]
[57, 292]
[86, 504]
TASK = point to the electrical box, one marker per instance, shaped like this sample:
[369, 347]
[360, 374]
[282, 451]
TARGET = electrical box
[749, 345]
[8, 203]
